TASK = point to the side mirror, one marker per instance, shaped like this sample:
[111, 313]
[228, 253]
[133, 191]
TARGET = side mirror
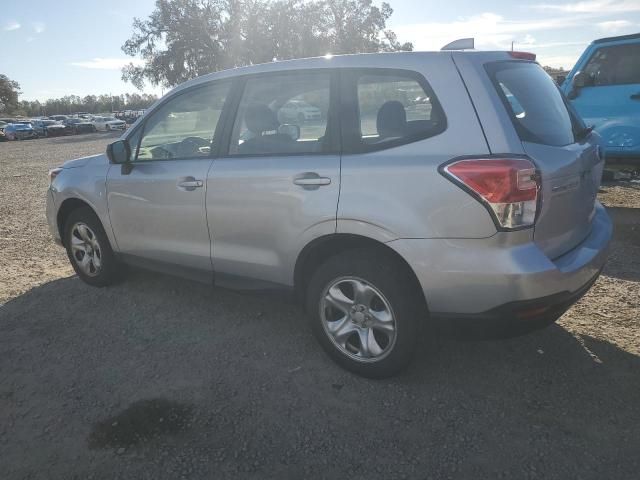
[290, 130]
[579, 80]
[119, 152]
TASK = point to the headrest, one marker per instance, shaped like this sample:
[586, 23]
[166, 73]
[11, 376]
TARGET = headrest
[260, 118]
[392, 119]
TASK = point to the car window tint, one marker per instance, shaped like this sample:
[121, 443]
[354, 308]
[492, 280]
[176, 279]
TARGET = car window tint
[395, 108]
[282, 114]
[615, 65]
[538, 109]
[184, 126]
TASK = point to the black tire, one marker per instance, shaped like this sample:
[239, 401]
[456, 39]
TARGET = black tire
[107, 128]
[110, 270]
[390, 277]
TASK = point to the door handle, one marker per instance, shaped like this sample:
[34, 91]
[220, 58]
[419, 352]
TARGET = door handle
[189, 184]
[311, 180]
[635, 96]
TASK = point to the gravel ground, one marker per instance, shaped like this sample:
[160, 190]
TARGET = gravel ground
[162, 378]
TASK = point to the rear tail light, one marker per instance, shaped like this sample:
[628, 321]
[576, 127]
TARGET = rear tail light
[508, 187]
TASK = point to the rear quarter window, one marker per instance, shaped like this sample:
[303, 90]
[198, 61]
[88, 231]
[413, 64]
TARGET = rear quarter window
[536, 106]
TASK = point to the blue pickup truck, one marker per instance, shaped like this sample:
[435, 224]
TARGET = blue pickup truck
[604, 87]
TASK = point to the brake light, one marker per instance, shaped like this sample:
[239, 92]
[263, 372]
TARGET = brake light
[508, 187]
[523, 56]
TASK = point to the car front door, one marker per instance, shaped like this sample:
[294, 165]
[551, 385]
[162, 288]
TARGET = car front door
[276, 188]
[610, 99]
[157, 200]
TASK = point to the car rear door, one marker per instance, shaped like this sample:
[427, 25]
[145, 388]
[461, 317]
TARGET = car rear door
[157, 201]
[566, 156]
[610, 99]
[276, 186]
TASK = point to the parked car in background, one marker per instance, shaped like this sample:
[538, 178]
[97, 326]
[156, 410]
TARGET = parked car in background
[78, 125]
[392, 211]
[604, 88]
[49, 128]
[2, 127]
[58, 118]
[20, 131]
[298, 110]
[129, 116]
[105, 124]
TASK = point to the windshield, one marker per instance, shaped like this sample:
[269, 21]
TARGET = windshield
[536, 106]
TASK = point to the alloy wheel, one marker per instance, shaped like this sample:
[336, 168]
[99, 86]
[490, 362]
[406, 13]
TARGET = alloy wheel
[358, 319]
[85, 249]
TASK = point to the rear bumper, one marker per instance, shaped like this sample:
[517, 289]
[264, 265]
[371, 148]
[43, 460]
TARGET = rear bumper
[513, 318]
[485, 279]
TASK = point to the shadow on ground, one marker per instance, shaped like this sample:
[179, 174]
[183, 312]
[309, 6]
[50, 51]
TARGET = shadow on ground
[263, 401]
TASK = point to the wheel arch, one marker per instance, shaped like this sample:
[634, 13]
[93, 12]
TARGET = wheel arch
[69, 205]
[320, 249]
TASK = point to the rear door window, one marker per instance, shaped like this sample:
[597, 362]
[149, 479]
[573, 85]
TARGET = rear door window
[615, 65]
[537, 107]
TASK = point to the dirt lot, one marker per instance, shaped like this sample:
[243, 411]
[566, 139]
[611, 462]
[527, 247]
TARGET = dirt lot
[164, 378]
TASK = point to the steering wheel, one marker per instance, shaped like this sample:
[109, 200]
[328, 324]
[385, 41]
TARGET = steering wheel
[191, 145]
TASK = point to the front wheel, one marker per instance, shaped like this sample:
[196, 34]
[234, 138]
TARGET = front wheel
[89, 250]
[366, 312]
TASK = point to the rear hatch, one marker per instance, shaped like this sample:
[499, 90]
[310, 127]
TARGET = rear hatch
[564, 151]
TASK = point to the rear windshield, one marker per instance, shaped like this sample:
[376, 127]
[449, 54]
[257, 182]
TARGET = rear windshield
[535, 104]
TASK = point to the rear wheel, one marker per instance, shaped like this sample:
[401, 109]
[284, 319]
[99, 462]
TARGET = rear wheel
[366, 312]
[88, 248]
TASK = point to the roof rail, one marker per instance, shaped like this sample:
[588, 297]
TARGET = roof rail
[460, 44]
[633, 36]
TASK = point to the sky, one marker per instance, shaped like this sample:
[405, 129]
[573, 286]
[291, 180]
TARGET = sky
[64, 47]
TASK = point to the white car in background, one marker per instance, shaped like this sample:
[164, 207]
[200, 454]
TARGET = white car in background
[105, 124]
[300, 111]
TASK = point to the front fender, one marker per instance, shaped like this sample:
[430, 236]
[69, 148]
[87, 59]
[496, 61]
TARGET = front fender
[88, 184]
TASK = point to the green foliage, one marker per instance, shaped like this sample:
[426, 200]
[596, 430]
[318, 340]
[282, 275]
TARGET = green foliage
[183, 39]
[90, 103]
[9, 91]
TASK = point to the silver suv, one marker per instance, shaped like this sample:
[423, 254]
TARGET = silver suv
[457, 187]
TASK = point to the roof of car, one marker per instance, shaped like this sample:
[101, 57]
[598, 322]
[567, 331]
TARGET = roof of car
[632, 36]
[357, 60]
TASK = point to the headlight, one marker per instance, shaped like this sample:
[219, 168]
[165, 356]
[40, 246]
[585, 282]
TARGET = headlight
[53, 173]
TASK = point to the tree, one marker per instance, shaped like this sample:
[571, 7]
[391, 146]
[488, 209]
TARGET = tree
[90, 103]
[9, 92]
[183, 39]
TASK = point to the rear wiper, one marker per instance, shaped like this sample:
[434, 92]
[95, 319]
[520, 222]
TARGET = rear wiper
[584, 132]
